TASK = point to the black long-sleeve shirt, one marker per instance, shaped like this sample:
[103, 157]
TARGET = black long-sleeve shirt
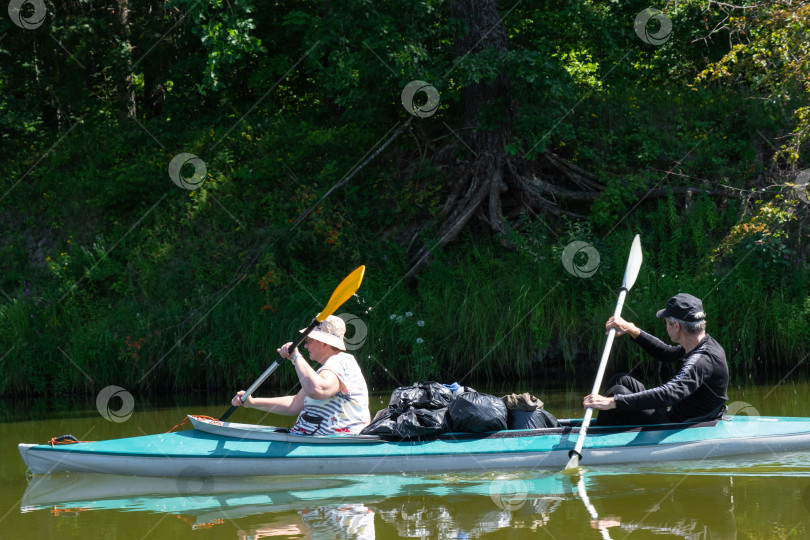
[699, 387]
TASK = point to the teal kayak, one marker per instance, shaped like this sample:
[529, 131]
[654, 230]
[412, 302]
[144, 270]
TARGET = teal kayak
[214, 448]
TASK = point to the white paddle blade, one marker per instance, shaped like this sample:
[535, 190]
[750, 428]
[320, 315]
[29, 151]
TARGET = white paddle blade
[633, 264]
[573, 464]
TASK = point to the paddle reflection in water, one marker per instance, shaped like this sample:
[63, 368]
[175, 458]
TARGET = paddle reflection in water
[602, 525]
[684, 506]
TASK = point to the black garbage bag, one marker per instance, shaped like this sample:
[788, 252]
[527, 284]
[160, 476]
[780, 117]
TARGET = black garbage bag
[473, 412]
[384, 423]
[416, 423]
[414, 411]
[408, 424]
[425, 395]
[535, 419]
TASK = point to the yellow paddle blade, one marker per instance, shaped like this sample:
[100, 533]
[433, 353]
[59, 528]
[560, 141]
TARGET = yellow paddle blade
[344, 291]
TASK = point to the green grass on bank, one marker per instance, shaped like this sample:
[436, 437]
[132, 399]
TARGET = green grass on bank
[479, 313]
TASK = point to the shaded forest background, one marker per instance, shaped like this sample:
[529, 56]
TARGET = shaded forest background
[494, 215]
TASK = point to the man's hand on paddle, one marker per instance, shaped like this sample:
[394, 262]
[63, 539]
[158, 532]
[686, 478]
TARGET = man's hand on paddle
[622, 327]
[595, 401]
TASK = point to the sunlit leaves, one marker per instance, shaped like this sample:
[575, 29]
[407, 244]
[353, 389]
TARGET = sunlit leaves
[771, 57]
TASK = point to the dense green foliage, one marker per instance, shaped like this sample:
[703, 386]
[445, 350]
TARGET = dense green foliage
[113, 274]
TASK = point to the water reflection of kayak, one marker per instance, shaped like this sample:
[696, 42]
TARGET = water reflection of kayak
[211, 499]
[184, 494]
[657, 500]
[216, 448]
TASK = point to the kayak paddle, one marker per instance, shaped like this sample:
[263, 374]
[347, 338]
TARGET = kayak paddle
[630, 275]
[344, 291]
[590, 507]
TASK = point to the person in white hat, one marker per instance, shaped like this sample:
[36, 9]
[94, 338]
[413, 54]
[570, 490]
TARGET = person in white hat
[332, 400]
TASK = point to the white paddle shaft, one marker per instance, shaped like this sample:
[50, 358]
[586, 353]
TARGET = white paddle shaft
[586, 420]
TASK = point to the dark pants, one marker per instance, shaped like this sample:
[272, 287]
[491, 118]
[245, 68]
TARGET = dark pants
[622, 383]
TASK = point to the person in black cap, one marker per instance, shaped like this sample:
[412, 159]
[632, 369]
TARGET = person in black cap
[698, 390]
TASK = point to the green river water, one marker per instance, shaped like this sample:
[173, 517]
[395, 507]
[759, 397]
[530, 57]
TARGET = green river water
[757, 497]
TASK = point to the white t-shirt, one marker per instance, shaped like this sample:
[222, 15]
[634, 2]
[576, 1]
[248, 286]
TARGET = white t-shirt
[341, 413]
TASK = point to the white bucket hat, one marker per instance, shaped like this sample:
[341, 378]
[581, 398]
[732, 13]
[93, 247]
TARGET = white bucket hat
[330, 331]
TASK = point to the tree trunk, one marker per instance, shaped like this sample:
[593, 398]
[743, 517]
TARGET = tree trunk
[125, 92]
[494, 186]
[478, 188]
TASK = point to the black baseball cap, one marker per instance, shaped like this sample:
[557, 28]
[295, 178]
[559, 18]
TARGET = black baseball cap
[684, 307]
